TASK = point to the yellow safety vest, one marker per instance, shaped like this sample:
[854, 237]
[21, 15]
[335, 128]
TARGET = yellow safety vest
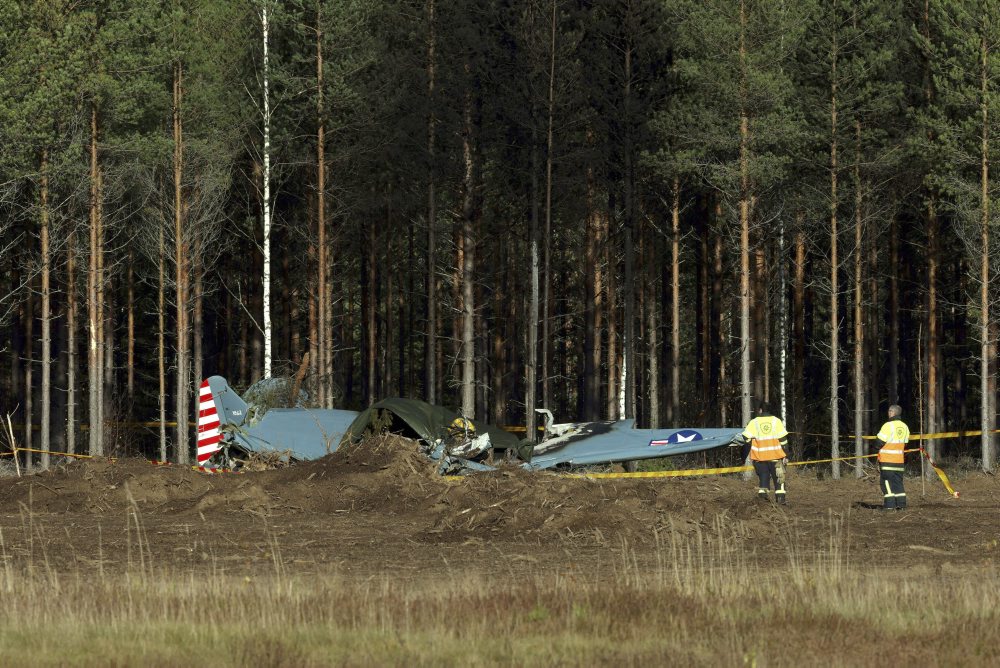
[765, 434]
[896, 435]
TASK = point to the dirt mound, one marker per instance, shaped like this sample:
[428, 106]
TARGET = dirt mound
[383, 473]
[386, 481]
[380, 507]
[99, 486]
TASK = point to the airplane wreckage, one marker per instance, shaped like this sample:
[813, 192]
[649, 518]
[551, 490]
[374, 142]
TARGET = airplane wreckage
[231, 429]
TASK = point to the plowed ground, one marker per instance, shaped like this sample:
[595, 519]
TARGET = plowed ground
[380, 508]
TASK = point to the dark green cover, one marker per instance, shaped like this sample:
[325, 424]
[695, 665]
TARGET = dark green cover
[415, 418]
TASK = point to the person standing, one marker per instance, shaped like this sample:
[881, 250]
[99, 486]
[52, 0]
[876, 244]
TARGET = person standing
[767, 437]
[894, 435]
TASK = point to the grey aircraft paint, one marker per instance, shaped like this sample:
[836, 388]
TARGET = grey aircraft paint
[312, 433]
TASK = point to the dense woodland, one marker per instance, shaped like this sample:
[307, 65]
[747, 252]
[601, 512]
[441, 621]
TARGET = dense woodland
[660, 209]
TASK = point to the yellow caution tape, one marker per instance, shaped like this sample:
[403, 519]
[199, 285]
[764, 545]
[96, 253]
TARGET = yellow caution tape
[685, 473]
[740, 469]
[716, 471]
[913, 437]
[942, 476]
[661, 474]
[51, 452]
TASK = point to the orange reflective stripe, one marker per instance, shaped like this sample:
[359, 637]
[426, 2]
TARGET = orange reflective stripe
[766, 449]
[892, 453]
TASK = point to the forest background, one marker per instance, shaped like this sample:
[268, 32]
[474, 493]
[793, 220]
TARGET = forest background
[659, 209]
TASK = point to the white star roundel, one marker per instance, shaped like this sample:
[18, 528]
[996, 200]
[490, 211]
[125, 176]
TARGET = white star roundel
[682, 436]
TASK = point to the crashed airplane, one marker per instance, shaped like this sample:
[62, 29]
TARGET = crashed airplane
[230, 429]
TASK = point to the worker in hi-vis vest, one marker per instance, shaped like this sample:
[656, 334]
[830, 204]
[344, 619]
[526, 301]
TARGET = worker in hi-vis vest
[894, 435]
[767, 436]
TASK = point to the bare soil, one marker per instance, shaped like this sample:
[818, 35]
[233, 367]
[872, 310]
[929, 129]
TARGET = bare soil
[380, 507]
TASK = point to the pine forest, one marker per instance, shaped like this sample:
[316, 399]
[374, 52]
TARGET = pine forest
[666, 210]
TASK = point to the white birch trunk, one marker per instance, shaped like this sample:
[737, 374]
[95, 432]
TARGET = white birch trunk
[267, 197]
[621, 389]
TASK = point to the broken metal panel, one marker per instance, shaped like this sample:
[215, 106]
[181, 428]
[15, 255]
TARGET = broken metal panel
[603, 442]
[304, 432]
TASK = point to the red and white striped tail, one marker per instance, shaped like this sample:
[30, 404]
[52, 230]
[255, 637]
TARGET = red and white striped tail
[208, 425]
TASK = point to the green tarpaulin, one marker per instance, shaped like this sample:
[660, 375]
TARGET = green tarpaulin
[415, 418]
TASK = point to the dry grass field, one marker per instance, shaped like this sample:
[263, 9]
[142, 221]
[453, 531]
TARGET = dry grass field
[368, 558]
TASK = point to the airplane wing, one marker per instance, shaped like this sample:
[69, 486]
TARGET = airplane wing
[305, 433]
[590, 443]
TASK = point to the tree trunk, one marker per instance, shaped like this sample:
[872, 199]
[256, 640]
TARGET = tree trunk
[106, 311]
[859, 330]
[266, 204]
[933, 357]
[181, 448]
[46, 417]
[652, 335]
[745, 343]
[874, 336]
[721, 317]
[761, 327]
[468, 262]
[322, 333]
[29, 368]
[547, 248]
[988, 453]
[387, 301]
[593, 289]
[368, 296]
[705, 324]
[405, 307]
[267, 199]
[799, 337]
[893, 310]
[431, 343]
[130, 327]
[675, 306]
[312, 315]
[161, 357]
[782, 324]
[531, 337]
[198, 319]
[614, 373]
[94, 390]
[630, 367]
[71, 362]
[834, 287]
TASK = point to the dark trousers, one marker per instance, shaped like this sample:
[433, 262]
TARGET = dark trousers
[891, 482]
[768, 472]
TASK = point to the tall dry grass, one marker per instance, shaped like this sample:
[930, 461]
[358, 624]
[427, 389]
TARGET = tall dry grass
[693, 600]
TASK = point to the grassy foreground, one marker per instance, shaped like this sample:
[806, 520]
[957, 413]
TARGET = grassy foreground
[697, 602]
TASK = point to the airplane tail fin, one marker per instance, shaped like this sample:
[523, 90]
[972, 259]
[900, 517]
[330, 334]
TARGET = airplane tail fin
[218, 405]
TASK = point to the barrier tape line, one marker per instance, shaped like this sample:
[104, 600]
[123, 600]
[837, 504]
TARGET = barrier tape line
[154, 462]
[51, 452]
[716, 471]
[942, 476]
[660, 474]
[913, 437]
[740, 469]
[686, 473]
[845, 438]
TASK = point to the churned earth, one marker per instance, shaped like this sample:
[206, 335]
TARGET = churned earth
[380, 507]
